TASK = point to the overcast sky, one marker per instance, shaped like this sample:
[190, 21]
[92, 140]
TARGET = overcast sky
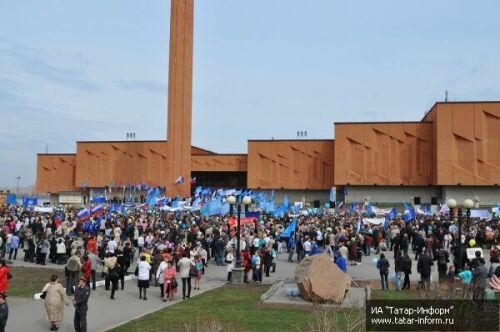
[94, 70]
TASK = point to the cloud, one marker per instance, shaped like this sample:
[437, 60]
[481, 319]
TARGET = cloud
[30, 61]
[148, 86]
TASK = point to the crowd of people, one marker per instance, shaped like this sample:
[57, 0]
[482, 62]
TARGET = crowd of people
[168, 245]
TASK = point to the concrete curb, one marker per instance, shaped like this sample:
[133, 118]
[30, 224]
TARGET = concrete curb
[158, 309]
[271, 291]
[99, 283]
[368, 292]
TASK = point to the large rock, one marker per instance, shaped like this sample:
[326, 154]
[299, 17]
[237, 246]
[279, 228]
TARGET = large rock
[320, 280]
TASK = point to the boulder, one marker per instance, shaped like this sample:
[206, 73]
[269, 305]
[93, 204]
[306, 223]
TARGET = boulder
[320, 280]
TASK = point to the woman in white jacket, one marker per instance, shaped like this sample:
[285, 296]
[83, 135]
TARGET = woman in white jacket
[229, 262]
[160, 274]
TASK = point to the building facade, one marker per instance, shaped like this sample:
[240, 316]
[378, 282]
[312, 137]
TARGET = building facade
[454, 151]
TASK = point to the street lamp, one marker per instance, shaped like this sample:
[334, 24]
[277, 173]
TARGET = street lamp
[232, 200]
[452, 204]
[18, 178]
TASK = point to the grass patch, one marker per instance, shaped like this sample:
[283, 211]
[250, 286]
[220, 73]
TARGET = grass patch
[229, 308]
[27, 281]
[378, 294]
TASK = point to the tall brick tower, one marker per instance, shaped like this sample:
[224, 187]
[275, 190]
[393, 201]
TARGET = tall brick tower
[180, 86]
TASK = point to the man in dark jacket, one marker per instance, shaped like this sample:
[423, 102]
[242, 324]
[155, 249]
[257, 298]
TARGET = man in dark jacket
[383, 267]
[82, 293]
[442, 262]
[398, 268]
[406, 270]
[419, 245]
[424, 268]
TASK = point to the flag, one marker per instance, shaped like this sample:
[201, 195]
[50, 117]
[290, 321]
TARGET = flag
[409, 213]
[369, 210]
[180, 180]
[290, 229]
[153, 194]
[160, 201]
[198, 190]
[354, 207]
[84, 214]
[196, 206]
[193, 180]
[96, 211]
[341, 204]
[286, 203]
[332, 194]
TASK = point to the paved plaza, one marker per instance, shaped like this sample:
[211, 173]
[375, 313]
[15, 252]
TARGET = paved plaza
[104, 314]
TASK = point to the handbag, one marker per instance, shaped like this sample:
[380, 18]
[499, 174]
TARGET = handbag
[173, 284]
[43, 295]
[136, 272]
[192, 272]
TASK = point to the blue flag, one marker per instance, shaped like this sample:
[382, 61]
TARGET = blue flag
[332, 194]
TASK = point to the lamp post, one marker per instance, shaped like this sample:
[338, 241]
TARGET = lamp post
[232, 200]
[18, 178]
[452, 204]
[468, 204]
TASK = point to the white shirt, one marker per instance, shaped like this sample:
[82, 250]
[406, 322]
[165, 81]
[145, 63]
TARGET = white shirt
[160, 272]
[61, 248]
[185, 265]
[144, 268]
[307, 246]
[112, 246]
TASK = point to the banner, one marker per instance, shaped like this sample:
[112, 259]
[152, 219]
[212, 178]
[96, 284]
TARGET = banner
[44, 209]
[233, 222]
[374, 221]
[479, 214]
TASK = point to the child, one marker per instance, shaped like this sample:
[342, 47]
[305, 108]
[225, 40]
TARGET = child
[198, 266]
[451, 275]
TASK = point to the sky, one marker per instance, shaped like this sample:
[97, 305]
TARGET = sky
[95, 70]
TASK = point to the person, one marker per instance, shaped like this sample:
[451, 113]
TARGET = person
[73, 267]
[87, 269]
[160, 274]
[14, 246]
[44, 248]
[480, 275]
[4, 311]
[450, 276]
[114, 276]
[257, 274]
[407, 270]
[383, 267]
[122, 262]
[80, 302]
[442, 260]
[199, 271]
[169, 285]
[398, 269]
[60, 251]
[55, 299]
[109, 264]
[185, 265]
[95, 262]
[424, 268]
[466, 275]
[290, 248]
[229, 264]
[143, 269]
[307, 246]
[4, 276]
[341, 262]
